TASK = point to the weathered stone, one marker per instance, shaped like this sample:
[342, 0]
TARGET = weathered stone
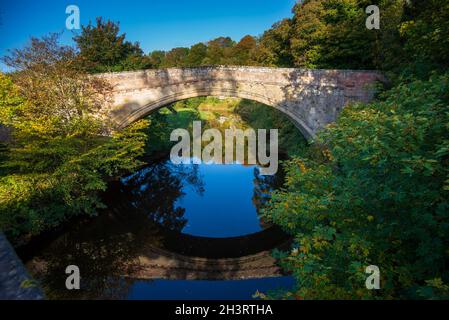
[15, 283]
[311, 98]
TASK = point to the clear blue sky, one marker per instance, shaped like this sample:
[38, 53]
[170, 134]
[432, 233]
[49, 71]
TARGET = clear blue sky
[156, 24]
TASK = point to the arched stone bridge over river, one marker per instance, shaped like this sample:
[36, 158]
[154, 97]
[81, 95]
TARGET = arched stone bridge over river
[311, 98]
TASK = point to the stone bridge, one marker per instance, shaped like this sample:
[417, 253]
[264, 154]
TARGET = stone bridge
[310, 98]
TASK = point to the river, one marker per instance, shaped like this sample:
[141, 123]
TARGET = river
[191, 231]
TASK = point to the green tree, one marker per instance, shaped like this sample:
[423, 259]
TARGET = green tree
[219, 51]
[157, 58]
[242, 52]
[375, 191]
[103, 49]
[424, 32]
[196, 55]
[274, 46]
[60, 154]
[332, 34]
[373, 187]
[176, 57]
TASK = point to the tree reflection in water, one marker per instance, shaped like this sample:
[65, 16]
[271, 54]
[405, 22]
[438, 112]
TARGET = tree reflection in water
[106, 248]
[263, 186]
[155, 189]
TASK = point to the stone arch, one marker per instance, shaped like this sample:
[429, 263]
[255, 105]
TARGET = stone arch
[152, 106]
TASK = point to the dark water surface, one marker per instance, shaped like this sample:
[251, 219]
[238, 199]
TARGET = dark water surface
[208, 211]
[169, 232]
[208, 200]
[206, 290]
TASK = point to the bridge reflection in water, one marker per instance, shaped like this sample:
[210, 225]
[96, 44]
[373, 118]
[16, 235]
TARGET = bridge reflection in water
[141, 236]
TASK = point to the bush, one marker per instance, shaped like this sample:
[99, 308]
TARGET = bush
[377, 194]
[60, 152]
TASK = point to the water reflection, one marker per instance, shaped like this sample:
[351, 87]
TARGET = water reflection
[208, 200]
[154, 191]
[168, 221]
[103, 249]
[151, 209]
[207, 290]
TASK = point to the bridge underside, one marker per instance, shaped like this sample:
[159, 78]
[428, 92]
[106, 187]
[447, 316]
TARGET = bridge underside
[160, 264]
[137, 108]
[310, 98]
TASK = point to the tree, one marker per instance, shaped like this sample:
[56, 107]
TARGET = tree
[102, 48]
[373, 187]
[157, 58]
[243, 50]
[196, 55]
[135, 62]
[424, 34]
[219, 51]
[331, 34]
[59, 156]
[274, 46]
[376, 192]
[176, 57]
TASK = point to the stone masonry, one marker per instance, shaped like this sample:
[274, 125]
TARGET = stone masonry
[15, 282]
[310, 98]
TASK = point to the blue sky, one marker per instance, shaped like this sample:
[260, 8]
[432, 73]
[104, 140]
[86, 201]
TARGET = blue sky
[161, 24]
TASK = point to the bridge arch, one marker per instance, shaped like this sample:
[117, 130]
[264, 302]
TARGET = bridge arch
[310, 98]
[152, 106]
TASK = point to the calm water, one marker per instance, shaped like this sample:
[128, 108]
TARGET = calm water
[208, 211]
[159, 221]
[215, 200]
[223, 209]
[206, 290]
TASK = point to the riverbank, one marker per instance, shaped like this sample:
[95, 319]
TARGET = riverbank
[15, 282]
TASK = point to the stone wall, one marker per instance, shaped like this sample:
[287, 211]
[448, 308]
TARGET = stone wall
[311, 98]
[15, 282]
